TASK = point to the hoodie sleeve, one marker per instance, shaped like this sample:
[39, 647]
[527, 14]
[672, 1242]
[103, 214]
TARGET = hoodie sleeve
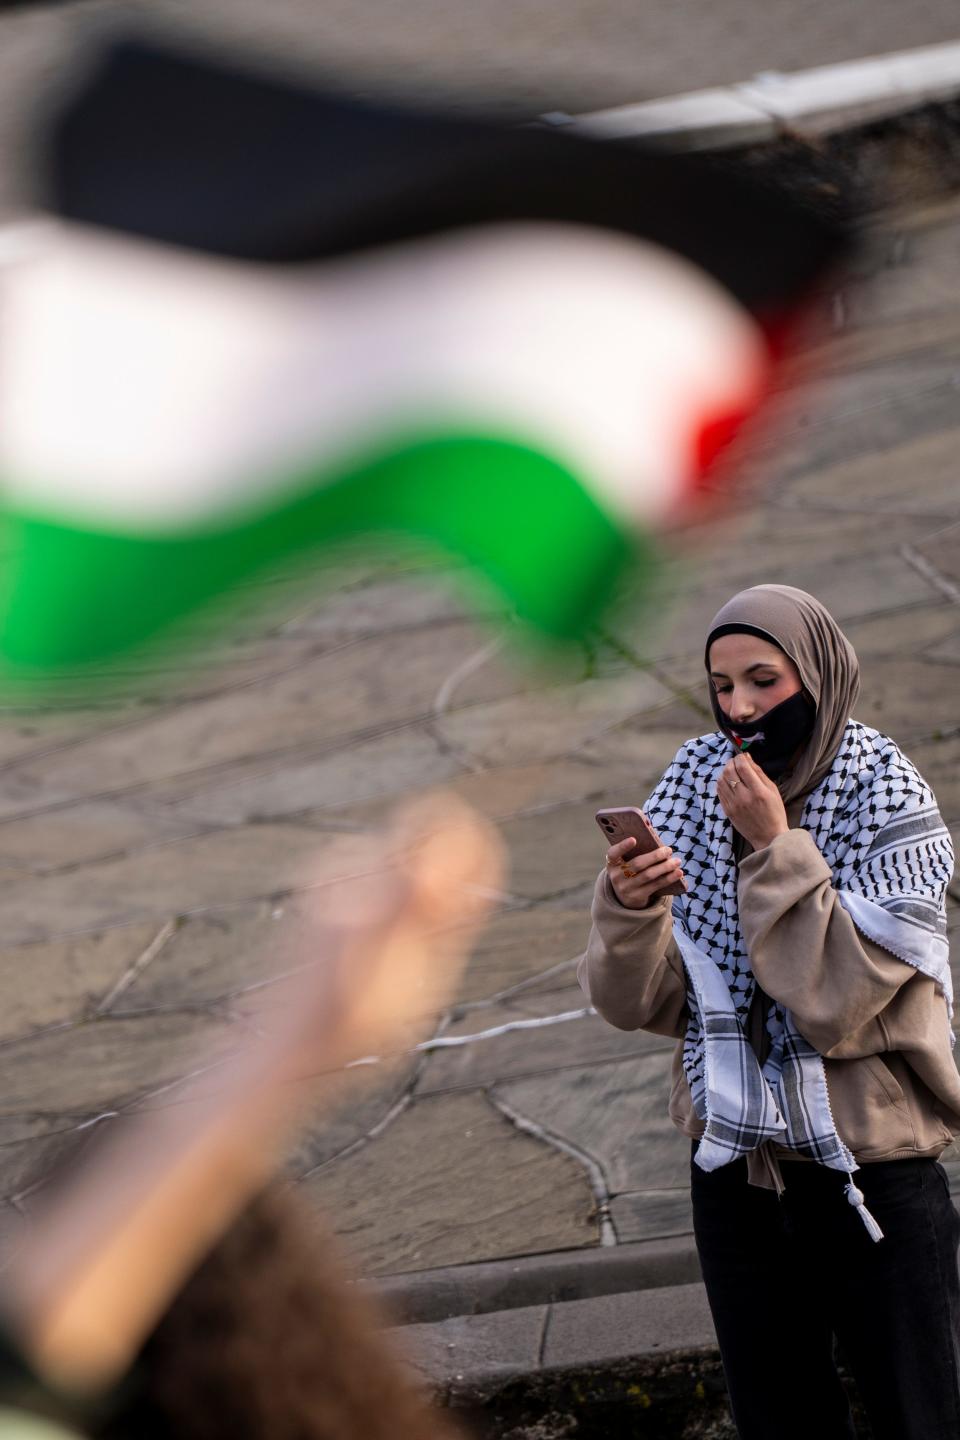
[807, 953]
[632, 971]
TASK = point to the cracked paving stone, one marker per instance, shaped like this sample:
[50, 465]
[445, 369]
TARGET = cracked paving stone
[938, 761]
[849, 591]
[215, 955]
[519, 945]
[49, 983]
[553, 850]
[33, 1147]
[449, 1182]
[221, 868]
[386, 606]
[229, 959]
[631, 759]
[555, 990]
[163, 677]
[345, 1112]
[548, 722]
[14, 1228]
[850, 403]
[926, 338]
[775, 535]
[368, 685]
[862, 574]
[86, 831]
[26, 733]
[943, 552]
[505, 672]
[578, 897]
[380, 768]
[502, 793]
[500, 1346]
[926, 284]
[617, 1113]
[947, 650]
[564, 994]
[506, 791]
[652, 1214]
[929, 461]
[102, 1063]
[613, 659]
[255, 609]
[907, 697]
[782, 536]
[920, 632]
[860, 416]
[540, 1052]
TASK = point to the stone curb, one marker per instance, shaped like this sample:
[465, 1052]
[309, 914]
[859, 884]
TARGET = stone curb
[430, 1296]
[632, 1364]
[771, 105]
[471, 1359]
[423, 1297]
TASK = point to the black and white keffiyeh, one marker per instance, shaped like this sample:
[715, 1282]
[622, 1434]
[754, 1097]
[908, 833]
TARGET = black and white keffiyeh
[876, 823]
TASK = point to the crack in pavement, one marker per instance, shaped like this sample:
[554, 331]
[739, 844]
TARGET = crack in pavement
[272, 897]
[465, 1006]
[400, 1105]
[544, 1331]
[655, 668]
[536, 1072]
[136, 969]
[164, 706]
[593, 1168]
[444, 1042]
[931, 574]
[463, 671]
[165, 792]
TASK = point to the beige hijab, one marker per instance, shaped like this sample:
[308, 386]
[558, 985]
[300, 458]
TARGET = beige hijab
[828, 666]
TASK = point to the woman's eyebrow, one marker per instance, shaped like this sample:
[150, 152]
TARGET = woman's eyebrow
[760, 665]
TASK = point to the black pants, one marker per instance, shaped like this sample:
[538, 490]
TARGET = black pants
[788, 1277]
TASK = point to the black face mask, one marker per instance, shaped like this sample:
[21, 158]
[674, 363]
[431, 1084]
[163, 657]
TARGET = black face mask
[773, 740]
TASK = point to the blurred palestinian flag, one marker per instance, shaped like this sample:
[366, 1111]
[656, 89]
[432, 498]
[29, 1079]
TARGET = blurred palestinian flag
[252, 319]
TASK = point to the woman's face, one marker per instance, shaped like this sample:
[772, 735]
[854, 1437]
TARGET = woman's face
[750, 677]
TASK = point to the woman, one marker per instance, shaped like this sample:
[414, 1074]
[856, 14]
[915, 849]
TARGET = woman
[805, 974]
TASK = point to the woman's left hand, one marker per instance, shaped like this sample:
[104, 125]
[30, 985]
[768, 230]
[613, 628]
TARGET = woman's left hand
[752, 802]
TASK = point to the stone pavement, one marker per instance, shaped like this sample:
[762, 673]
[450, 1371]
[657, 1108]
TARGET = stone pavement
[152, 850]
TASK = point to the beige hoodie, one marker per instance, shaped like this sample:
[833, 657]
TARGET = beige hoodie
[878, 1022]
[880, 1025]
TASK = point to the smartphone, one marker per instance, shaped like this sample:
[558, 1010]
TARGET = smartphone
[618, 824]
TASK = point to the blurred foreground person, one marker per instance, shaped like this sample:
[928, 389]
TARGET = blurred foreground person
[805, 974]
[264, 1338]
[268, 1341]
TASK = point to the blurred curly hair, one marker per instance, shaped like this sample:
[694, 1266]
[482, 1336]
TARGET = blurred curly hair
[269, 1341]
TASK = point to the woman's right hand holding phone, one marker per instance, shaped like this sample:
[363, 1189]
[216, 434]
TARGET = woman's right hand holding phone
[635, 882]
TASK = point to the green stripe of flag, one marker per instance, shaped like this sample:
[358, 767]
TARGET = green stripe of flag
[78, 595]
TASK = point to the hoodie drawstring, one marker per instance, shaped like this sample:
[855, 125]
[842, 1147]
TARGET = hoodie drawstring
[855, 1197]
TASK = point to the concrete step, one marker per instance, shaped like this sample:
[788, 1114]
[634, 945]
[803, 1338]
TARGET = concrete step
[469, 1359]
[422, 1296]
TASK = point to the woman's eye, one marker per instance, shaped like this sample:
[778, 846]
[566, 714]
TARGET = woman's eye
[763, 684]
[722, 689]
